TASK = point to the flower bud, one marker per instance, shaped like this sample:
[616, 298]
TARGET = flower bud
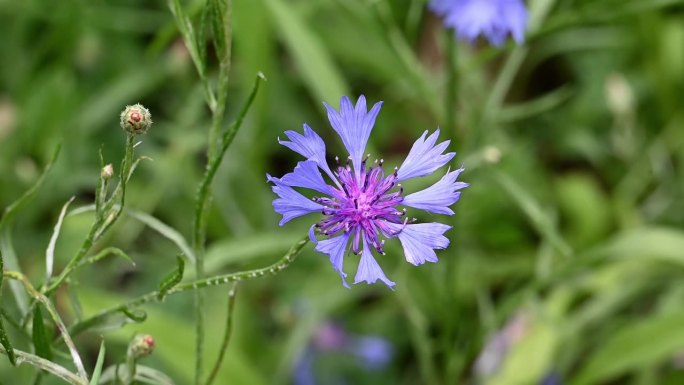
[107, 172]
[136, 119]
[142, 345]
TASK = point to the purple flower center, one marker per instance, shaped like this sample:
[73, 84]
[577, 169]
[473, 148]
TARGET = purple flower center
[362, 204]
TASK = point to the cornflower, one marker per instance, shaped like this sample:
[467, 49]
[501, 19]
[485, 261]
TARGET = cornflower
[494, 19]
[363, 203]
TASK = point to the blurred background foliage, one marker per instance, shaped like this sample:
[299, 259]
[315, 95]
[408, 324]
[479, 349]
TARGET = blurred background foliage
[567, 252]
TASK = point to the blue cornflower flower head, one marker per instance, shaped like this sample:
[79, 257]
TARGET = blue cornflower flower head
[494, 19]
[362, 205]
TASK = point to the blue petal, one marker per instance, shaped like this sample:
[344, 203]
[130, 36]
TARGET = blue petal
[494, 19]
[335, 248]
[312, 234]
[309, 145]
[516, 18]
[420, 240]
[424, 157]
[353, 124]
[438, 197]
[306, 175]
[369, 270]
[290, 203]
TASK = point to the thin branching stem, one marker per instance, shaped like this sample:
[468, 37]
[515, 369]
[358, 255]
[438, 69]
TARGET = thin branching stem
[226, 334]
[154, 296]
[203, 197]
[101, 225]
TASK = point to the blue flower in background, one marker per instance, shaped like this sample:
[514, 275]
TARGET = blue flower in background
[362, 204]
[372, 352]
[494, 19]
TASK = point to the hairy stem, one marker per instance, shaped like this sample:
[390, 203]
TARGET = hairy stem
[101, 225]
[226, 334]
[272, 269]
[202, 199]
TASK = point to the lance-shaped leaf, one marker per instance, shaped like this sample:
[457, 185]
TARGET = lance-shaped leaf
[95, 379]
[3, 335]
[41, 341]
[172, 279]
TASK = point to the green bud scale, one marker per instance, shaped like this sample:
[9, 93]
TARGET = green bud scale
[136, 119]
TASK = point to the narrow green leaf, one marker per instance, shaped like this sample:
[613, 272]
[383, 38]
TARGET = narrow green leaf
[530, 358]
[166, 231]
[637, 344]
[220, 13]
[537, 106]
[115, 251]
[315, 64]
[172, 279]
[152, 376]
[135, 315]
[50, 251]
[539, 218]
[191, 42]
[3, 335]
[10, 260]
[41, 342]
[11, 210]
[656, 243]
[95, 379]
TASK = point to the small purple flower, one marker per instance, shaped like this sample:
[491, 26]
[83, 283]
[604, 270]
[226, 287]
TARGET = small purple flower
[494, 19]
[362, 206]
[373, 352]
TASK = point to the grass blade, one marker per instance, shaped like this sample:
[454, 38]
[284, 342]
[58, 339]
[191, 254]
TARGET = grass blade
[166, 231]
[315, 64]
[3, 335]
[95, 379]
[41, 342]
[11, 210]
[50, 251]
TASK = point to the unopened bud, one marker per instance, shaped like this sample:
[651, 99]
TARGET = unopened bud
[619, 95]
[136, 119]
[107, 172]
[142, 345]
[492, 154]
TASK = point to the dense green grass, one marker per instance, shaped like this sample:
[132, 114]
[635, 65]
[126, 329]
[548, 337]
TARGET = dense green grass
[573, 146]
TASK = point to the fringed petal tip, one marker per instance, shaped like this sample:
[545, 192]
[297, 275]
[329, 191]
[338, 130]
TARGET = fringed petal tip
[353, 123]
[438, 197]
[291, 204]
[425, 157]
[335, 248]
[421, 240]
[369, 271]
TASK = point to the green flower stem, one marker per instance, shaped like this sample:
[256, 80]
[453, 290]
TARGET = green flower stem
[452, 82]
[55, 317]
[226, 335]
[273, 269]
[48, 366]
[203, 196]
[126, 166]
[222, 26]
[101, 225]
